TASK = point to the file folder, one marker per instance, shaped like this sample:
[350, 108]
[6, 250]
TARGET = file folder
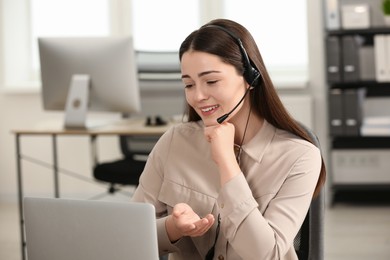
[367, 63]
[336, 121]
[350, 47]
[333, 59]
[380, 51]
[387, 57]
[353, 110]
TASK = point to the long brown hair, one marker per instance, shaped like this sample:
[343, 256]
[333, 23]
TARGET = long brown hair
[265, 101]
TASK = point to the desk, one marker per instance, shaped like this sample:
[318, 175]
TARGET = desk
[128, 127]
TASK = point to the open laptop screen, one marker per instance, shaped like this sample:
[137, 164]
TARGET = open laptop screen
[89, 230]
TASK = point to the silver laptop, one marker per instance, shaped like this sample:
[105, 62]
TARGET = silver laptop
[59, 229]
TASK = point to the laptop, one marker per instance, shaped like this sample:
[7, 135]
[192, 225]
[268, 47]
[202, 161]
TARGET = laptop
[59, 229]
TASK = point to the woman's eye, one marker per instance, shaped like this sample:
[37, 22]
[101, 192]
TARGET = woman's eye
[188, 85]
[211, 82]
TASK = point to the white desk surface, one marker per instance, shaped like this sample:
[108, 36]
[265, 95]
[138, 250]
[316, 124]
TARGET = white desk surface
[117, 127]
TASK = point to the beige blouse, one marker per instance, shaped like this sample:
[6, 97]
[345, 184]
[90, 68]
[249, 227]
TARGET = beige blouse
[261, 210]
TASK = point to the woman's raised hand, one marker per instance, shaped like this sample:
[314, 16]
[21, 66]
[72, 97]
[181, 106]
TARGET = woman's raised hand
[185, 222]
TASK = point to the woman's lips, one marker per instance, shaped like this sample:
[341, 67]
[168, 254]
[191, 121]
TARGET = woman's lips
[206, 111]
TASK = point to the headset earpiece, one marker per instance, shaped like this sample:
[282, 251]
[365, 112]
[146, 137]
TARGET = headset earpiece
[251, 76]
[251, 73]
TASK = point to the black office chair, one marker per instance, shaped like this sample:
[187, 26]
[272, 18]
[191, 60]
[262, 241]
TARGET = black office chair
[127, 170]
[309, 242]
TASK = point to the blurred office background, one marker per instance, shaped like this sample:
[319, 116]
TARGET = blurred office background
[290, 35]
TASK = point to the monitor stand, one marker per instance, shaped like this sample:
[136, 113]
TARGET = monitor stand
[77, 102]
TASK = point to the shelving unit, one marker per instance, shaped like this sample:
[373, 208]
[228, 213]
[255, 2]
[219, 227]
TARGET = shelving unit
[359, 163]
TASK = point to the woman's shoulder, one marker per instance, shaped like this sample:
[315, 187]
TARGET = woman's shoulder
[180, 135]
[292, 141]
[296, 148]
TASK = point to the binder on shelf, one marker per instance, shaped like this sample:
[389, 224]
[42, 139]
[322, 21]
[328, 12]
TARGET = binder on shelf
[387, 57]
[367, 63]
[333, 59]
[353, 110]
[381, 60]
[332, 14]
[336, 120]
[350, 57]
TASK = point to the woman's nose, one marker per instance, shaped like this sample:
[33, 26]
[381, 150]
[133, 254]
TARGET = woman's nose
[201, 94]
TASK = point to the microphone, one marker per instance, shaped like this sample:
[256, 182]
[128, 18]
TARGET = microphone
[225, 116]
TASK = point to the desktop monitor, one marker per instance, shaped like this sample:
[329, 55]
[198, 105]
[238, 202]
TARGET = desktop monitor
[81, 74]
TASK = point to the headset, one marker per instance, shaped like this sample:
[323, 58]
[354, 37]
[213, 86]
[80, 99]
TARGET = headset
[251, 73]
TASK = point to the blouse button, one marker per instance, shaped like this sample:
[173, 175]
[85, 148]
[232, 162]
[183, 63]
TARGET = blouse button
[220, 257]
[222, 205]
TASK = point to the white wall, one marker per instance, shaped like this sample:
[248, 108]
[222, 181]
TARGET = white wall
[18, 111]
[318, 86]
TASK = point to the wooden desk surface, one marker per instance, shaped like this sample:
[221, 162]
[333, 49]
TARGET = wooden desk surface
[118, 127]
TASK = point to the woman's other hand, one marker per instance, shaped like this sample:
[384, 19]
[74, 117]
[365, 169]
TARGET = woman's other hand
[185, 222]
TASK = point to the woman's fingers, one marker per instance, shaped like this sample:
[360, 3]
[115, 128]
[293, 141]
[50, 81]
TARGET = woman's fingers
[202, 226]
[189, 223]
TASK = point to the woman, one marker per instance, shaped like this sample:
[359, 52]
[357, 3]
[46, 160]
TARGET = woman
[236, 181]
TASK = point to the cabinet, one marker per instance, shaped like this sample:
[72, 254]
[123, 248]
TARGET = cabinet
[358, 80]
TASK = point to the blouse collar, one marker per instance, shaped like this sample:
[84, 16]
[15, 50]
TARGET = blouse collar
[257, 146]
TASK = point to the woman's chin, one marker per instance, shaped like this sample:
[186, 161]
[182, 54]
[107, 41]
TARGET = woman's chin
[209, 121]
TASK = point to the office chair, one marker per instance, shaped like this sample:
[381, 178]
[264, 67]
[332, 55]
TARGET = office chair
[309, 242]
[127, 170]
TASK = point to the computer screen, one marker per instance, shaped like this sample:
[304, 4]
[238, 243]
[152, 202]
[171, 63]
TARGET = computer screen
[81, 74]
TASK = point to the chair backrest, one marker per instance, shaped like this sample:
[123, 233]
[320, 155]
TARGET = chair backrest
[131, 146]
[136, 146]
[309, 242]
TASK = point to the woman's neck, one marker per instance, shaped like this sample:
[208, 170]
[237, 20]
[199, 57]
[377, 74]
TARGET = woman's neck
[246, 127]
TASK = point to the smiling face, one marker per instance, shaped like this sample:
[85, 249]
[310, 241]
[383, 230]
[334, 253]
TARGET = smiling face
[212, 87]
